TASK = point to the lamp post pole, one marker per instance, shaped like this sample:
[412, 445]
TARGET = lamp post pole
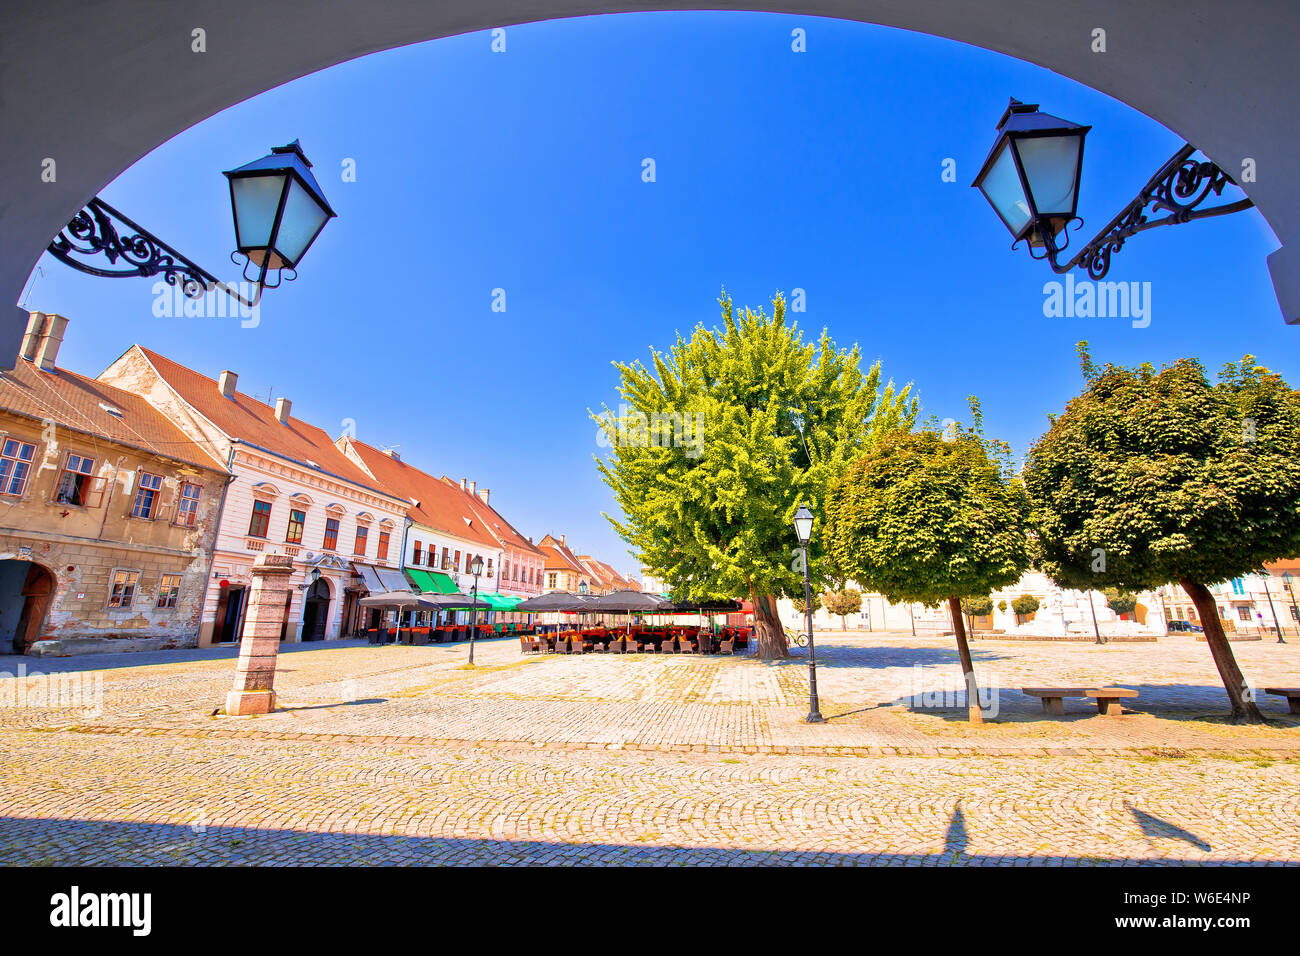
[803, 521]
[1264, 577]
[476, 568]
[1286, 583]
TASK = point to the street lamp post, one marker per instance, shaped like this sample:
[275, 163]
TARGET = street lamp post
[1263, 575]
[1031, 179]
[475, 568]
[803, 522]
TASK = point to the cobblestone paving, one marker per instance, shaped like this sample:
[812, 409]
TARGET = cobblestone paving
[402, 755]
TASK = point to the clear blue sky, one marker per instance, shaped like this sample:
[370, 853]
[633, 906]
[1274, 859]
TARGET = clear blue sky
[776, 170]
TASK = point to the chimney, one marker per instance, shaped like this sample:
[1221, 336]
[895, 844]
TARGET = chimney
[562, 544]
[227, 382]
[50, 342]
[484, 495]
[392, 453]
[462, 484]
[472, 486]
[32, 337]
[282, 406]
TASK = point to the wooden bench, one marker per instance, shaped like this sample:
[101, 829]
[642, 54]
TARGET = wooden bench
[1107, 698]
[1292, 695]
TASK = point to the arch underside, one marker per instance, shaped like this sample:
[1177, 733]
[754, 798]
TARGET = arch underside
[98, 86]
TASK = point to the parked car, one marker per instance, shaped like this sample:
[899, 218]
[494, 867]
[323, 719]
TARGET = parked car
[1185, 626]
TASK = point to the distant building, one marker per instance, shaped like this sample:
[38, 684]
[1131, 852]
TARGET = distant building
[563, 570]
[108, 511]
[292, 492]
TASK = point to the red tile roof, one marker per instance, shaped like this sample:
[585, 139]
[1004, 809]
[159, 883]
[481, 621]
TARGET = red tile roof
[254, 422]
[560, 557]
[441, 507]
[498, 526]
[82, 404]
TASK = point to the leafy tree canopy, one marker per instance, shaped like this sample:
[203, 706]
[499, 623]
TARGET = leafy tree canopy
[843, 602]
[767, 420]
[1150, 477]
[1025, 604]
[926, 516]
[977, 606]
[1121, 602]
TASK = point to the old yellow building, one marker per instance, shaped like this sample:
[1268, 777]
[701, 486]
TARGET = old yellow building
[107, 512]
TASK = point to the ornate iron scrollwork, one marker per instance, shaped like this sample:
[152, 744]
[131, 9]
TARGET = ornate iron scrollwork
[135, 251]
[1181, 184]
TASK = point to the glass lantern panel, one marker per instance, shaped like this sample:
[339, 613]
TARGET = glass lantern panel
[1001, 186]
[1051, 166]
[302, 220]
[255, 199]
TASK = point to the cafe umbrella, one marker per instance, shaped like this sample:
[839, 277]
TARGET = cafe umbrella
[629, 603]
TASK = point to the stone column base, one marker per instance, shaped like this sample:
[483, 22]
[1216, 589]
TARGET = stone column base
[241, 703]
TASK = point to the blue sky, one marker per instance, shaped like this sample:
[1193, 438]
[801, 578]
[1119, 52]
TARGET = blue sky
[775, 170]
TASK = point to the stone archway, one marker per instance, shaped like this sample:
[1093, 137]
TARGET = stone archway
[26, 593]
[1188, 64]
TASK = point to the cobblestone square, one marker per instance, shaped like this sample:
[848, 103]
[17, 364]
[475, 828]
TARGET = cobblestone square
[404, 755]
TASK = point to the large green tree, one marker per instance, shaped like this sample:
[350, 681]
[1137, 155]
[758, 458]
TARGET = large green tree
[928, 517]
[766, 421]
[1154, 477]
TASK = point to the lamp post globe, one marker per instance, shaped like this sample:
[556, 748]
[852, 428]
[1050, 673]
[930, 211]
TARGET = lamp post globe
[1031, 175]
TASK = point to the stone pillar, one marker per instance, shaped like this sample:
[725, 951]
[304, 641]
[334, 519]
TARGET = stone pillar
[254, 691]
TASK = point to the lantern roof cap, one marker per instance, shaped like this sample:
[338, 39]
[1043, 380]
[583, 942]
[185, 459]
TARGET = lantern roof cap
[1025, 119]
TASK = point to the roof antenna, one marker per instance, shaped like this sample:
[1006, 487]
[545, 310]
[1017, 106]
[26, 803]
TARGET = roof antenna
[269, 391]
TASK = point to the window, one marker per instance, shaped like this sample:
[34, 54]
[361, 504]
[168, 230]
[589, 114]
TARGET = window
[362, 534]
[261, 519]
[550, 580]
[296, 520]
[382, 552]
[169, 589]
[1238, 586]
[455, 562]
[77, 484]
[146, 495]
[505, 570]
[331, 534]
[419, 550]
[123, 588]
[188, 508]
[1243, 612]
[489, 568]
[446, 559]
[15, 465]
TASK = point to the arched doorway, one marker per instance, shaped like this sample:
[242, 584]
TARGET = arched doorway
[315, 611]
[26, 590]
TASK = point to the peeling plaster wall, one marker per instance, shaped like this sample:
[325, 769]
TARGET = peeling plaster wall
[82, 546]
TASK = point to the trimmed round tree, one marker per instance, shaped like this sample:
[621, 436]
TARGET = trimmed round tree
[1157, 477]
[843, 602]
[1025, 605]
[1121, 602]
[928, 518]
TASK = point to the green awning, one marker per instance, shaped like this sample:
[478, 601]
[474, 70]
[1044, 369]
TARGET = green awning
[499, 602]
[434, 582]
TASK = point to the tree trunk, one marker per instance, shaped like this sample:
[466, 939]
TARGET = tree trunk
[1244, 708]
[844, 623]
[768, 631]
[967, 666]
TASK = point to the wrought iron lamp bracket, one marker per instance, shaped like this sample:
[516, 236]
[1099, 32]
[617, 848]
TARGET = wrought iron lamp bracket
[1178, 188]
[136, 252]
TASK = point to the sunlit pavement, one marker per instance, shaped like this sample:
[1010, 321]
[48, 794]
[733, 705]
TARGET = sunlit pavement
[403, 755]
